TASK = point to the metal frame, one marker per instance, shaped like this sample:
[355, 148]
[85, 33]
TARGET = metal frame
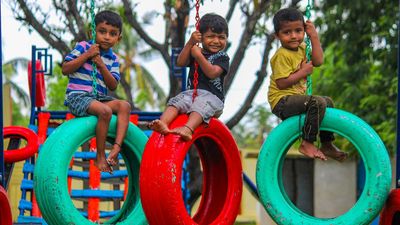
[37, 54]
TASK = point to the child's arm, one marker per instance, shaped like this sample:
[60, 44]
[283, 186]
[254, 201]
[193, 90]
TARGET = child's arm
[109, 80]
[305, 69]
[210, 70]
[69, 67]
[317, 54]
[184, 56]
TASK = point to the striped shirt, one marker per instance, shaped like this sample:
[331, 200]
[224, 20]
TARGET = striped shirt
[81, 79]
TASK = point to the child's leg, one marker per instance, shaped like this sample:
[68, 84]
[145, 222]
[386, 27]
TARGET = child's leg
[327, 138]
[308, 149]
[330, 150]
[103, 113]
[205, 106]
[161, 125]
[122, 109]
[186, 131]
[299, 104]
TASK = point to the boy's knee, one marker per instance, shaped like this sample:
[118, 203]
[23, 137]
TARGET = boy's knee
[105, 113]
[125, 106]
[329, 102]
[320, 102]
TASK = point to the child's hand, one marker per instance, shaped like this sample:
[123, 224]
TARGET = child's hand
[98, 61]
[195, 51]
[310, 29]
[195, 38]
[307, 67]
[93, 51]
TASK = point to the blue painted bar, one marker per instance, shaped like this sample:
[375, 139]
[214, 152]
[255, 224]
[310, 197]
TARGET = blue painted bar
[104, 175]
[143, 116]
[96, 194]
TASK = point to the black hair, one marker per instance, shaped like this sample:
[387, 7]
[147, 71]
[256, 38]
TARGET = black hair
[110, 18]
[286, 15]
[214, 22]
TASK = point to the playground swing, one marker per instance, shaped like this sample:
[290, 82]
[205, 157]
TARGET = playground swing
[360, 134]
[161, 172]
[51, 185]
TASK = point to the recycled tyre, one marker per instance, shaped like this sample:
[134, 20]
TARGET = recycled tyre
[5, 212]
[161, 172]
[391, 211]
[15, 155]
[360, 134]
[50, 175]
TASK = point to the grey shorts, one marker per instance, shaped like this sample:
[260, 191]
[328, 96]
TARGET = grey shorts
[78, 102]
[206, 104]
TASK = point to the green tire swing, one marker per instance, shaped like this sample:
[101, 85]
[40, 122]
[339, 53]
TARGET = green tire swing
[360, 134]
[50, 175]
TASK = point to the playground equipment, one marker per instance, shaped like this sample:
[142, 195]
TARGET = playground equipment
[51, 178]
[5, 212]
[363, 137]
[15, 155]
[161, 170]
[360, 134]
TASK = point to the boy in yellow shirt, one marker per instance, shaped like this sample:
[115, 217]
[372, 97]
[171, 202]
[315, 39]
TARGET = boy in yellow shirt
[288, 83]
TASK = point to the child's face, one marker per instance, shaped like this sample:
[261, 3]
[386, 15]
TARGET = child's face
[213, 42]
[291, 34]
[107, 35]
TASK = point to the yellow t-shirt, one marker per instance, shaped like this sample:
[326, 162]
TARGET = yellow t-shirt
[283, 63]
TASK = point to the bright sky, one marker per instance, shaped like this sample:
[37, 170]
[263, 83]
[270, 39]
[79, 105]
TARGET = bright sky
[17, 42]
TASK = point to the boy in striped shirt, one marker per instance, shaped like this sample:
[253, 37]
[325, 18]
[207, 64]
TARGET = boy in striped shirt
[88, 96]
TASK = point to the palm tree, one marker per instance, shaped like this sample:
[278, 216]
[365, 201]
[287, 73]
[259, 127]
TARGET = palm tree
[148, 92]
[10, 69]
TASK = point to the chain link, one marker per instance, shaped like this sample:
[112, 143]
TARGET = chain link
[196, 65]
[93, 28]
[308, 48]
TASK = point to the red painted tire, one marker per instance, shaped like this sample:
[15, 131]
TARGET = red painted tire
[5, 212]
[15, 155]
[391, 211]
[161, 172]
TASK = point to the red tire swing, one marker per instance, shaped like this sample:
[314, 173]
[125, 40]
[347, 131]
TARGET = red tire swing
[161, 171]
[391, 212]
[15, 155]
[5, 212]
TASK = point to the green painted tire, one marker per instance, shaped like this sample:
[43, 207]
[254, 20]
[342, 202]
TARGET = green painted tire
[360, 134]
[50, 175]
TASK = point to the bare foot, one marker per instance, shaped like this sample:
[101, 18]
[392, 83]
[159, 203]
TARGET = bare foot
[330, 150]
[112, 158]
[159, 126]
[308, 149]
[103, 165]
[184, 131]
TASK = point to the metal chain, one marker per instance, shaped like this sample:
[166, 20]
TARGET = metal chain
[308, 48]
[196, 65]
[93, 28]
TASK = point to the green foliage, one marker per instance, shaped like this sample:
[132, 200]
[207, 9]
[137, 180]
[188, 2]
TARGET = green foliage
[18, 119]
[359, 73]
[55, 89]
[252, 130]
